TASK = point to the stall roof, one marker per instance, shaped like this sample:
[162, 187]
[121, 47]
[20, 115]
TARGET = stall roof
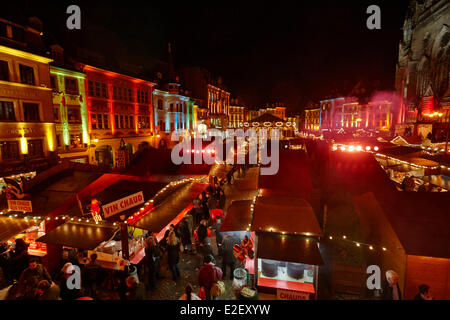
[121, 189]
[288, 248]
[293, 177]
[219, 170]
[421, 222]
[285, 214]
[164, 213]
[238, 216]
[10, 227]
[78, 235]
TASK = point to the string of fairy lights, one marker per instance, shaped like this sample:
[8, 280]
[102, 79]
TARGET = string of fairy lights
[359, 244]
[406, 162]
[145, 209]
[252, 208]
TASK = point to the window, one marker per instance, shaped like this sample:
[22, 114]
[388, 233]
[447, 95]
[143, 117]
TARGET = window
[4, 70]
[73, 114]
[71, 86]
[56, 113]
[94, 121]
[171, 107]
[10, 150]
[31, 111]
[121, 121]
[120, 94]
[116, 120]
[91, 88]
[58, 141]
[172, 126]
[146, 97]
[130, 95]
[106, 121]
[26, 74]
[104, 92]
[160, 104]
[35, 149]
[18, 34]
[7, 111]
[114, 92]
[99, 121]
[53, 83]
[131, 122]
[97, 89]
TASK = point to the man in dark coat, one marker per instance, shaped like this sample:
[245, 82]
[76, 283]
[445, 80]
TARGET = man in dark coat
[153, 257]
[390, 288]
[228, 258]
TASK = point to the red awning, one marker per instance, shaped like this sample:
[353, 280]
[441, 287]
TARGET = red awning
[288, 248]
[238, 216]
[285, 214]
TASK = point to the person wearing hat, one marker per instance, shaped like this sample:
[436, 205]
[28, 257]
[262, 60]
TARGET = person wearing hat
[390, 288]
[424, 293]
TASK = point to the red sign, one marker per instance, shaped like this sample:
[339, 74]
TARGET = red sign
[283, 294]
[20, 205]
[123, 204]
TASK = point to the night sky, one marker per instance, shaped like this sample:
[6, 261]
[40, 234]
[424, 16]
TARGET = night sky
[290, 52]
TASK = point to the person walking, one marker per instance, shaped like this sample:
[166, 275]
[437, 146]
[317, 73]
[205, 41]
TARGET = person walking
[189, 294]
[92, 275]
[34, 270]
[186, 240]
[228, 258]
[173, 255]
[209, 273]
[153, 256]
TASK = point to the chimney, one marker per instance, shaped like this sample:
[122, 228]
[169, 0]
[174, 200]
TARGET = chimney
[57, 54]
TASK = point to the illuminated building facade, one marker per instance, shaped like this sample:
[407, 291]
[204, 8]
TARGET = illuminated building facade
[120, 114]
[236, 114]
[69, 110]
[27, 129]
[209, 93]
[173, 111]
[423, 68]
[349, 113]
[312, 119]
[279, 112]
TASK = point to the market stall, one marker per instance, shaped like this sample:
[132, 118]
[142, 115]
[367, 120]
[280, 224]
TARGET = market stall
[26, 228]
[287, 253]
[104, 224]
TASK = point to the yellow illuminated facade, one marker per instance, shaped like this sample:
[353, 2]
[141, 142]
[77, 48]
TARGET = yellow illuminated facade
[70, 114]
[27, 130]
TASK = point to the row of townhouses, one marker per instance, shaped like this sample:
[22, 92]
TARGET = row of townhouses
[54, 106]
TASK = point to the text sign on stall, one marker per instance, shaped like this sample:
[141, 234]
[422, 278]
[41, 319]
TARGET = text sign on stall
[123, 204]
[20, 205]
[283, 294]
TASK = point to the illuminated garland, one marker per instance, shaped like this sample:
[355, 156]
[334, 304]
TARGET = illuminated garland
[356, 243]
[148, 207]
[406, 162]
